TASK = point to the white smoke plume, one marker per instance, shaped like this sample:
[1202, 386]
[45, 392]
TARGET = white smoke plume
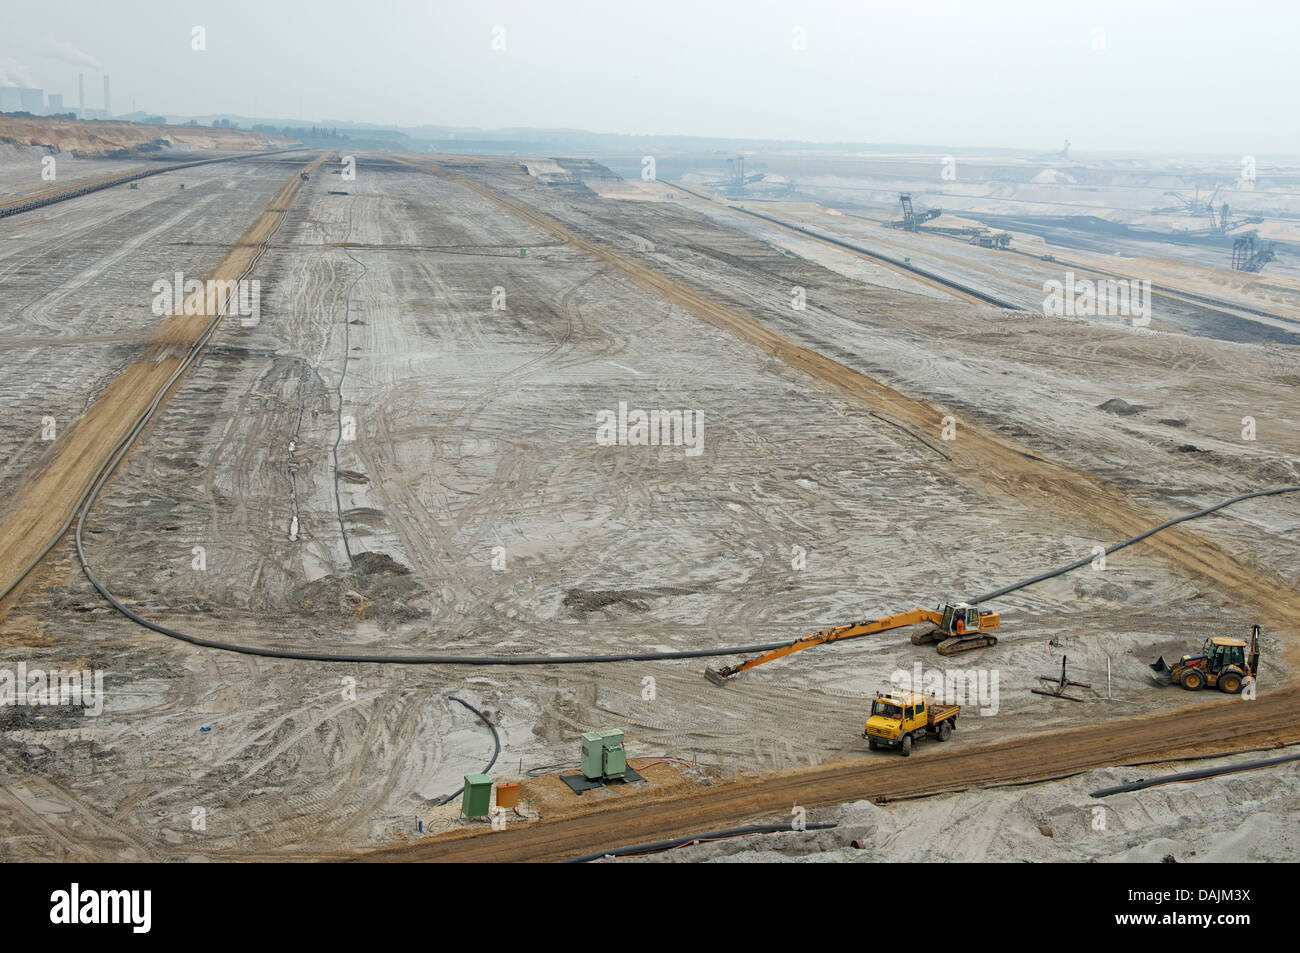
[67, 53]
[13, 73]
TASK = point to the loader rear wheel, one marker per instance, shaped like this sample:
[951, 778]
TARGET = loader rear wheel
[1230, 683]
[906, 746]
[1193, 680]
[945, 731]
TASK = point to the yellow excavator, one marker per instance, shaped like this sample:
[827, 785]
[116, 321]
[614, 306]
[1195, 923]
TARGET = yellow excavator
[957, 627]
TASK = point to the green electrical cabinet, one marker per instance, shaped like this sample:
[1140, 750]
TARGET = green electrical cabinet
[615, 757]
[477, 799]
[603, 755]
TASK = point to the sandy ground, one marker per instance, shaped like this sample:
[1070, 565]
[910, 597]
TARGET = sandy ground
[439, 456]
[1245, 817]
[108, 138]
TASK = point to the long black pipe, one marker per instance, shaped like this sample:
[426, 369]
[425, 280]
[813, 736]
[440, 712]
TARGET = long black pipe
[659, 845]
[1198, 775]
[559, 659]
[1130, 541]
[478, 660]
[41, 201]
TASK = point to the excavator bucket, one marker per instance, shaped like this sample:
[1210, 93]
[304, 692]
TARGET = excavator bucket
[1160, 667]
[716, 677]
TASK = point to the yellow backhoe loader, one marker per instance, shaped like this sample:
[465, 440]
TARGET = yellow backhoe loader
[1222, 664]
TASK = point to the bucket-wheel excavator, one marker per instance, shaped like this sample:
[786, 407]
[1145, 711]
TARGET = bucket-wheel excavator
[956, 626]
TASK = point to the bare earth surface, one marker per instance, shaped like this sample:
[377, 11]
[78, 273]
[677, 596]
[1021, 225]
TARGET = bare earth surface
[439, 457]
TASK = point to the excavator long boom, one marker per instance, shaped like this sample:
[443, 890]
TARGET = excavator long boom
[849, 631]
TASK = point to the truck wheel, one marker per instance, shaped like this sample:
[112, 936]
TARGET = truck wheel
[906, 746]
[945, 731]
[871, 743]
[1192, 680]
[1230, 683]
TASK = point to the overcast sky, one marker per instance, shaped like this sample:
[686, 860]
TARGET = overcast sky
[1144, 75]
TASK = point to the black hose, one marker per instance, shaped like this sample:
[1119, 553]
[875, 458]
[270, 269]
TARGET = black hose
[125, 444]
[89, 495]
[1197, 775]
[660, 845]
[1130, 541]
[41, 201]
[556, 659]
[496, 741]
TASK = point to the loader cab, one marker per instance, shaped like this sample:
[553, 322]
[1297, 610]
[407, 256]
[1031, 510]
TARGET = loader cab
[1222, 652]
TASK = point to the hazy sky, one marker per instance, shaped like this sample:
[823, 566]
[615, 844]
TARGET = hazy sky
[1124, 76]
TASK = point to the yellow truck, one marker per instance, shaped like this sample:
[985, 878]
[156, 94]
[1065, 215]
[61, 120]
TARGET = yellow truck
[900, 719]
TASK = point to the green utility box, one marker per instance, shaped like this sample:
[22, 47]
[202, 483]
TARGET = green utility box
[603, 755]
[477, 799]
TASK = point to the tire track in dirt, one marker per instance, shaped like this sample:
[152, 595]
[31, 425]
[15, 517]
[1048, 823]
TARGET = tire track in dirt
[1037, 757]
[1004, 467]
[42, 505]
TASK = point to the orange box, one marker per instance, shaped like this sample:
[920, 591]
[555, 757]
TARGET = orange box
[508, 794]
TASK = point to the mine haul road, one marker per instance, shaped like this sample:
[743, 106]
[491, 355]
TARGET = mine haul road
[38, 513]
[1229, 724]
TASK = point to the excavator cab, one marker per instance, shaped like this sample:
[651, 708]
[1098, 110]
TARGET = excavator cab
[959, 618]
[960, 628]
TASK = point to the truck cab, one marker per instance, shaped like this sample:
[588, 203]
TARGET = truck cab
[895, 713]
[898, 719]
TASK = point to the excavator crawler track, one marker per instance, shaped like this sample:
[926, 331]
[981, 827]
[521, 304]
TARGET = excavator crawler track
[956, 646]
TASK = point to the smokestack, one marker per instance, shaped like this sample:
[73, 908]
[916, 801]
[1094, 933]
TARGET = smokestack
[107, 111]
[81, 93]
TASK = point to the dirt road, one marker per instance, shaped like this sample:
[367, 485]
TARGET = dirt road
[39, 510]
[1222, 725]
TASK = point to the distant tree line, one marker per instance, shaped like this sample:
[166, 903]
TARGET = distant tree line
[302, 132]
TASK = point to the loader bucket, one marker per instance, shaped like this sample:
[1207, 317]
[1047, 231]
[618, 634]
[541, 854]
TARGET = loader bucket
[716, 677]
[1160, 668]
